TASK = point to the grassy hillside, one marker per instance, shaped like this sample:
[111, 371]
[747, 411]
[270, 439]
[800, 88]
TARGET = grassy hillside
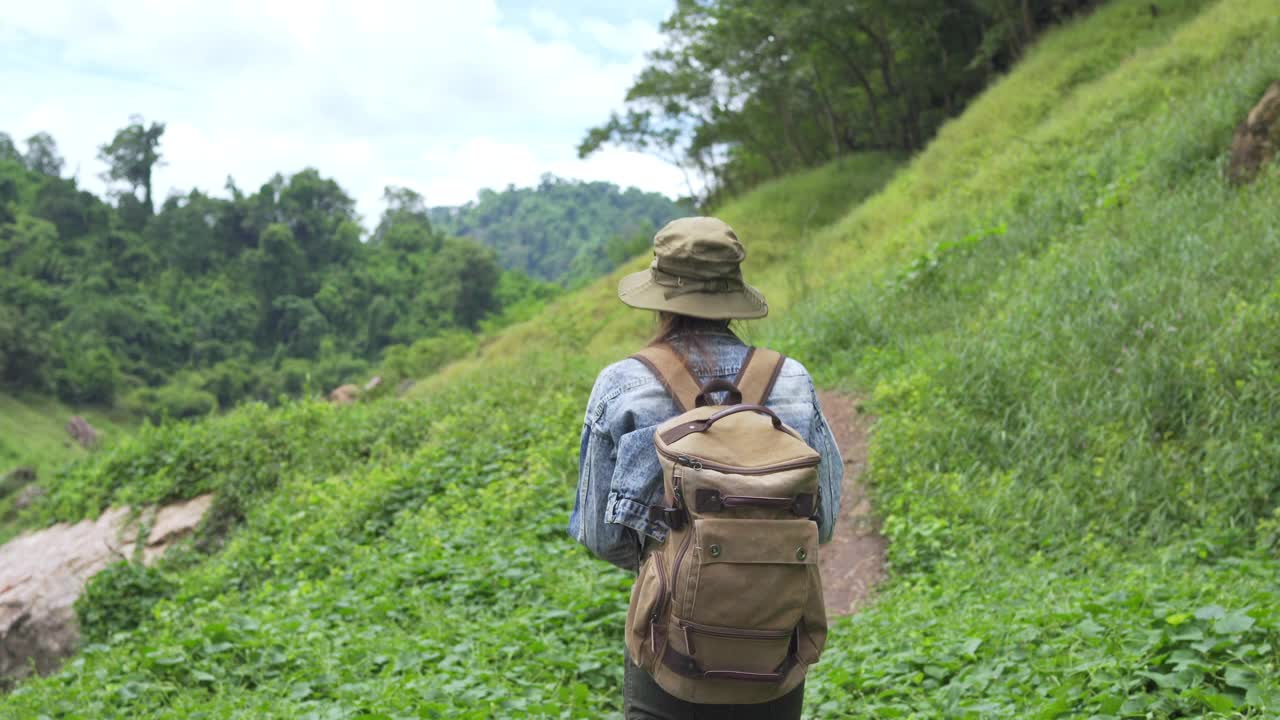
[33, 434]
[33, 431]
[1068, 325]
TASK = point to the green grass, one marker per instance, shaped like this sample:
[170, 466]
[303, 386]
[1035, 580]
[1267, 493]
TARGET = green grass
[33, 434]
[1067, 324]
[33, 431]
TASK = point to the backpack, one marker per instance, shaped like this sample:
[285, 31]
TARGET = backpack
[728, 609]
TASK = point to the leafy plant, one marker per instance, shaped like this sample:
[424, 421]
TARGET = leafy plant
[119, 598]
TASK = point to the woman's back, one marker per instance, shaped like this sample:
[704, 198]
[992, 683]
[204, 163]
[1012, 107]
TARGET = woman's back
[619, 472]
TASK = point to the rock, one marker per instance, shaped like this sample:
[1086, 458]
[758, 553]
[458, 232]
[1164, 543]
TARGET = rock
[373, 383]
[20, 475]
[404, 387]
[82, 432]
[173, 522]
[43, 572]
[28, 496]
[1256, 139]
[16, 478]
[344, 395]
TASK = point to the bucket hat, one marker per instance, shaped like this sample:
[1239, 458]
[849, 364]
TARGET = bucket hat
[696, 271]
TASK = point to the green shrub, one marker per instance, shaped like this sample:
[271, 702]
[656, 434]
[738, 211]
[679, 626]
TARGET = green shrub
[120, 598]
[229, 381]
[424, 357]
[174, 401]
[87, 375]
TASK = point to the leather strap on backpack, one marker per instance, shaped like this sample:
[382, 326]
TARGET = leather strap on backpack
[759, 372]
[670, 369]
[754, 382]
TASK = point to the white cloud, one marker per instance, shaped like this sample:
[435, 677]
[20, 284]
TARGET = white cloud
[632, 38]
[444, 97]
[549, 23]
[489, 162]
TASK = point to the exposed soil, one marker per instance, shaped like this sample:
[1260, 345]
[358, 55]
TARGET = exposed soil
[853, 562]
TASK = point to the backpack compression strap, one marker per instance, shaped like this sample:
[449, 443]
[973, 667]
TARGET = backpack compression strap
[681, 383]
[759, 372]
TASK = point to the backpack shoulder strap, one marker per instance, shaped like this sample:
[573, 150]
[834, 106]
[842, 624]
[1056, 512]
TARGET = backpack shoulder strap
[758, 374]
[680, 382]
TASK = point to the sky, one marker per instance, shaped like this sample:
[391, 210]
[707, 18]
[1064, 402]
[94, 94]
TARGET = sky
[445, 98]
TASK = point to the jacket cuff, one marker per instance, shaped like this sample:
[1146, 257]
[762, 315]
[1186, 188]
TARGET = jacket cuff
[635, 515]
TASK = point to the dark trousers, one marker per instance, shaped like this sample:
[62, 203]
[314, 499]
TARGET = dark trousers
[644, 699]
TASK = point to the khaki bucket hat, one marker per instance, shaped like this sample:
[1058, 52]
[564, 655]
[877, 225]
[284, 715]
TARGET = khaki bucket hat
[696, 271]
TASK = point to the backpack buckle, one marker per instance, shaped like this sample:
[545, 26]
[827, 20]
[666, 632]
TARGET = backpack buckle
[708, 500]
[805, 505]
[674, 517]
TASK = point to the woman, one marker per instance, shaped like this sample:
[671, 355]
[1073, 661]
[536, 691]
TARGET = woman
[695, 284]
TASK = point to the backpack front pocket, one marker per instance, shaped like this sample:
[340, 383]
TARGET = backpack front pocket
[749, 574]
[735, 653]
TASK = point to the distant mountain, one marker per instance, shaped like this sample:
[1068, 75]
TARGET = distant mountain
[566, 231]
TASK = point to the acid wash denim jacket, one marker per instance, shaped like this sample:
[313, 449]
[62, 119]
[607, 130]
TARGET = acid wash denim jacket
[618, 472]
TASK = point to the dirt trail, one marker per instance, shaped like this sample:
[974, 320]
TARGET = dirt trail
[853, 562]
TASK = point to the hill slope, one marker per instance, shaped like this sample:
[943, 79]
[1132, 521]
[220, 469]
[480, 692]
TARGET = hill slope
[33, 432]
[563, 231]
[33, 435]
[1068, 326]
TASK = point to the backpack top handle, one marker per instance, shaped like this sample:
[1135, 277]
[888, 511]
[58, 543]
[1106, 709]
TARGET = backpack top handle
[718, 385]
[696, 426]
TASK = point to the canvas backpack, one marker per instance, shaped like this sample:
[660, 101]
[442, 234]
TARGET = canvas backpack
[728, 609]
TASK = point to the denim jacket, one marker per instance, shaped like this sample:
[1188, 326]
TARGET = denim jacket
[618, 472]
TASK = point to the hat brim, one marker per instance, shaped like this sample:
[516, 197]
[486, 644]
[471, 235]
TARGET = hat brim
[640, 291]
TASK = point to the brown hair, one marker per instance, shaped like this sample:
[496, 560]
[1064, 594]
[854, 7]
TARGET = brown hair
[672, 324]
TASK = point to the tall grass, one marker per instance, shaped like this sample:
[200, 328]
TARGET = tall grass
[1090, 351]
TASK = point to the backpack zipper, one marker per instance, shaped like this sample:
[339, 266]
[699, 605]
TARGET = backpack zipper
[698, 464]
[657, 606]
[736, 634]
[688, 537]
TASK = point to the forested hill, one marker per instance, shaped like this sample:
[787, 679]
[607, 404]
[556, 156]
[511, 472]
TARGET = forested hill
[208, 300]
[562, 230]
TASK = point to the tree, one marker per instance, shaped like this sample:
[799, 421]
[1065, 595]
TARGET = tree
[8, 151]
[42, 155]
[322, 217]
[464, 275]
[276, 268]
[24, 349]
[404, 206]
[745, 90]
[131, 156]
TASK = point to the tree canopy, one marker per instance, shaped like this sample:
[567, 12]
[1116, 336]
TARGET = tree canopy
[131, 156]
[207, 300]
[745, 90]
